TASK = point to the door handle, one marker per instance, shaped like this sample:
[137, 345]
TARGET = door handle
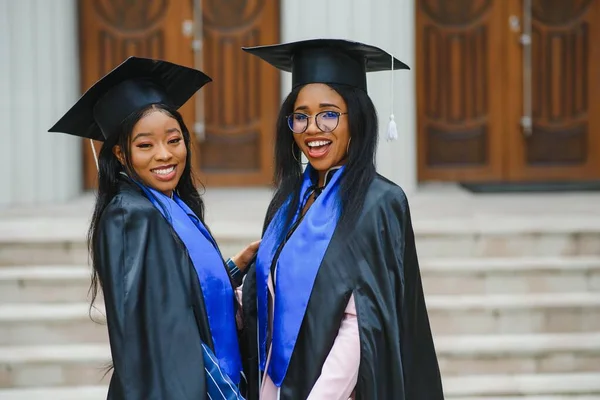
[197, 34]
[525, 41]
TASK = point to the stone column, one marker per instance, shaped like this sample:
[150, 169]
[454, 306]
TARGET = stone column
[39, 81]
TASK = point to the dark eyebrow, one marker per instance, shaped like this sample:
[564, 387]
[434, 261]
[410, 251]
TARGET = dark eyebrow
[143, 134]
[323, 105]
[140, 135]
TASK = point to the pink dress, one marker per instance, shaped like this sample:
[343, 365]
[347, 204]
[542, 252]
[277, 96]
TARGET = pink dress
[340, 370]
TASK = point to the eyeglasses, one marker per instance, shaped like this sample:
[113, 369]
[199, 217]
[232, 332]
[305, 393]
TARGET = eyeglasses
[326, 121]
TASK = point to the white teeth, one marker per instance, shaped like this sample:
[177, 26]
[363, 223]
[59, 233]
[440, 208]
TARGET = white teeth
[164, 171]
[318, 143]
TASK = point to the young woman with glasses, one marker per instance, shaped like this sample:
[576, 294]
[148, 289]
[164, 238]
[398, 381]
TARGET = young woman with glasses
[334, 306]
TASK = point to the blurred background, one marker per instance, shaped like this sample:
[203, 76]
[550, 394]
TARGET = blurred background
[498, 150]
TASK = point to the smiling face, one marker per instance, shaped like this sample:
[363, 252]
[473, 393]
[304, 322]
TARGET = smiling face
[158, 151]
[324, 150]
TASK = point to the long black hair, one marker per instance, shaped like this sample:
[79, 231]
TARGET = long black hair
[109, 170]
[360, 165]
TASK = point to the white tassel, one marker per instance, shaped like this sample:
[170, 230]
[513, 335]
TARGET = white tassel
[392, 132]
[95, 155]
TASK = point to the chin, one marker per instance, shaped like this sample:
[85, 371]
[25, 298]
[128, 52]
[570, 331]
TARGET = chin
[322, 165]
[161, 187]
[326, 163]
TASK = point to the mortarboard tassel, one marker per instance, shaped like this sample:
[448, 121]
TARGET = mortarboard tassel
[392, 131]
[95, 155]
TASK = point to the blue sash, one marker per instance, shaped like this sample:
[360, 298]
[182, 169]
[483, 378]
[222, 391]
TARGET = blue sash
[297, 268]
[212, 275]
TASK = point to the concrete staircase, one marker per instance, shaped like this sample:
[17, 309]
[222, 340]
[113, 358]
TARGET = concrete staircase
[517, 327]
[515, 311]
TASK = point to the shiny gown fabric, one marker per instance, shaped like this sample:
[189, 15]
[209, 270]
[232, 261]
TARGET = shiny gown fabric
[377, 262]
[154, 305]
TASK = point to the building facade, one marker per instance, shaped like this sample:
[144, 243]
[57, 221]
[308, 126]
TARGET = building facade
[499, 91]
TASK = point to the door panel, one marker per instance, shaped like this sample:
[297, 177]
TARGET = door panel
[243, 100]
[565, 85]
[469, 121]
[460, 85]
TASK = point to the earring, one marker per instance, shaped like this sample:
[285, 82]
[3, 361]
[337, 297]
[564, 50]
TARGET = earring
[348, 147]
[294, 155]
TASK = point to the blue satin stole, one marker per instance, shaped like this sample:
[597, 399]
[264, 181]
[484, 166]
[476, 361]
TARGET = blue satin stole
[296, 270]
[212, 275]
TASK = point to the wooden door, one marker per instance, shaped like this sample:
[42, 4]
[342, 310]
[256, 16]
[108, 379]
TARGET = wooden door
[233, 145]
[564, 144]
[243, 101]
[111, 31]
[470, 91]
[460, 81]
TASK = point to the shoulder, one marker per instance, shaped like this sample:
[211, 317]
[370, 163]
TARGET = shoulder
[129, 205]
[385, 208]
[384, 194]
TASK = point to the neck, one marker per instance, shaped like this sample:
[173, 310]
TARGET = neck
[322, 175]
[321, 180]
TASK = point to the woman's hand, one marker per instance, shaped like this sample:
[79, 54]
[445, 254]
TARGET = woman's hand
[245, 256]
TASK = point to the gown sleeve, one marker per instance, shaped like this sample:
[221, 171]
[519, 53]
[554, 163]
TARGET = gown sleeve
[340, 371]
[398, 358]
[419, 360]
[146, 277]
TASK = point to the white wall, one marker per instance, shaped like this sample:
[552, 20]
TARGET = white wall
[39, 81]
[389, 24]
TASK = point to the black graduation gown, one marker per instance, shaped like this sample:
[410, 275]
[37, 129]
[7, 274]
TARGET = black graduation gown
[154, 306]
[377, 262]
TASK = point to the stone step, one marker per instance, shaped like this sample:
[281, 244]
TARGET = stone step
[44, 283]
[43, 366]
[55, 393]
[514, 313]
[78, 364]
[64, 283]
[507, 235]
[66, 247]
[46, 323]
[510, 275]
[518, 354]
[51, 324]
[521, 386]
[61, 365]
[36, 240]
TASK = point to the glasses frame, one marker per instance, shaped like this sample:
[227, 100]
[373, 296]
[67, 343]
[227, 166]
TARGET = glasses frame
[316, 116]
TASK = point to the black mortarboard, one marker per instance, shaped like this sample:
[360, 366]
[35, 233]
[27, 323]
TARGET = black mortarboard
[327, 61]
[133, 85]
[333, 61]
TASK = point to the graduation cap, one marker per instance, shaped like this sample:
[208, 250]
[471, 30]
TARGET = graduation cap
[132, 86]
[330, 61]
